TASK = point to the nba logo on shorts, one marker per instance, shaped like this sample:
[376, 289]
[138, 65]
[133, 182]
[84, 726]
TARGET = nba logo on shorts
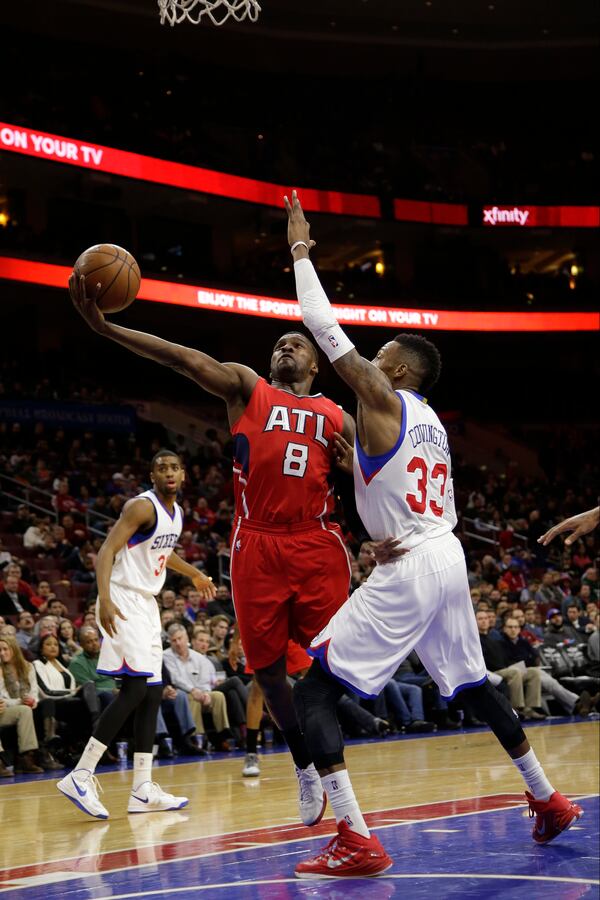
[238, 544]
[332, 341]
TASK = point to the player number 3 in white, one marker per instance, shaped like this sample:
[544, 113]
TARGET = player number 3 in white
[295, 460]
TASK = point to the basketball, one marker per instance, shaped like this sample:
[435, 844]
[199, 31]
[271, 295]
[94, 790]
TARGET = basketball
[115, 269]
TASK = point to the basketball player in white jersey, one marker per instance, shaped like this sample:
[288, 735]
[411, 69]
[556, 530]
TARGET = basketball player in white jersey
[131, 570]
[420, 600]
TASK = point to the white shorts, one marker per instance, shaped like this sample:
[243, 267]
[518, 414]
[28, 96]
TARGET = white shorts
[137, 647]
[421, 602]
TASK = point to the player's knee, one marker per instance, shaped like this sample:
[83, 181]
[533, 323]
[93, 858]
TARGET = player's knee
[491, 707]
[272, 677]
[317, 690]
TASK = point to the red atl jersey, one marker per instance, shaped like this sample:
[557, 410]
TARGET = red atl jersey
[283, 456]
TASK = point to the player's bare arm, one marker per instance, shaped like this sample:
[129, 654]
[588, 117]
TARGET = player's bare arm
[232, 382]
[579, 525]
[203, 583]
[379, 431]
[138, 514]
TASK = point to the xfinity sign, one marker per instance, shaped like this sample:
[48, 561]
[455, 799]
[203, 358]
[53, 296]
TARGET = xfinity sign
[505, 215]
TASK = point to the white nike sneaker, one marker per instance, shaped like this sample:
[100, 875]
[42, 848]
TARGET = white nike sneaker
[251, 766]
[150, 797]
[81, 787]
[312, 799]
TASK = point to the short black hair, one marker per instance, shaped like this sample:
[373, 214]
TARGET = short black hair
[306, 338]
[427, 355]
[164, 451]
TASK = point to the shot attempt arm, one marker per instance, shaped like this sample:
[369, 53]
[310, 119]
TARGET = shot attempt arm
[225, 380]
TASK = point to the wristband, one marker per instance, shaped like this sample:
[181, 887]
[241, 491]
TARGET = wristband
[299, 244]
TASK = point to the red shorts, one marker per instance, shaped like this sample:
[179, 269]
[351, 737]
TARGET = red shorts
[287, 581]
[297, 660]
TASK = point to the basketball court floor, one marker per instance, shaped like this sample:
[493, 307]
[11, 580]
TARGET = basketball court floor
[448, 808]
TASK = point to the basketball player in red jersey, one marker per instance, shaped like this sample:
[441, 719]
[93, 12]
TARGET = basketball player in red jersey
[289, 567]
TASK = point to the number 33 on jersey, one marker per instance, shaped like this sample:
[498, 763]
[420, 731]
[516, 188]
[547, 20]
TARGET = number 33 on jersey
[407, 493]
[283, 456]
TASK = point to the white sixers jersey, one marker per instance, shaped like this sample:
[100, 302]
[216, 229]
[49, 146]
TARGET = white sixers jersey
[407, 493]
[140, 564]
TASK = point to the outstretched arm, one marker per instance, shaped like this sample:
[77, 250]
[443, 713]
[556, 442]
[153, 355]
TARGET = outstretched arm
[370, 385]
[226, 380]
[579, 525]
[203, 583]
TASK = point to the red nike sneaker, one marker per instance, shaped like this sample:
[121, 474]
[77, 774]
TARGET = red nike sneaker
[552, 816]
[347, 855]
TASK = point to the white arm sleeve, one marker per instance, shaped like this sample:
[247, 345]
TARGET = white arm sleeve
[317, 312]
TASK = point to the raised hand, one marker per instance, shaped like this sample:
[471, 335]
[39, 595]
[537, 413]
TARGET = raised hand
[86, 306]
[298, 227]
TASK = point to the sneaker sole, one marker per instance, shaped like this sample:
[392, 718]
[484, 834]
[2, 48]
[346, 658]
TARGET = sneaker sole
[575, 818]
[80, 806]
[135, 812]
[251, 774]
[314, 876]
[321, 814]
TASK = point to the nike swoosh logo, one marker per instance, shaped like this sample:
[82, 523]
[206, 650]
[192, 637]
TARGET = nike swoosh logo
[78, 789]
[334, 863]
[542, 829]
[139, 798]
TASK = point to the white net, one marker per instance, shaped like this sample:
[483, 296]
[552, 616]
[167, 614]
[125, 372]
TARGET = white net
[217, 11]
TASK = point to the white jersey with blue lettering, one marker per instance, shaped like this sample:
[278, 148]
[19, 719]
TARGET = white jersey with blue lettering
[140, 564]
[407, 492]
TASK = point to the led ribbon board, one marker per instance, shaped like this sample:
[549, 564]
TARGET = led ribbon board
[203, 298]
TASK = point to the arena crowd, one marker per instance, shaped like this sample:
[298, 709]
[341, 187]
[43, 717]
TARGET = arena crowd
[536, 607]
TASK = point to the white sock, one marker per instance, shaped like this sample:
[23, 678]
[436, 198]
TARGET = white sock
[534, 776]
[340, 794]
[142, 769]
[91, 756]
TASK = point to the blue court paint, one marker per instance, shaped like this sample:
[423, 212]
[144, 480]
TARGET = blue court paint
[482, 855]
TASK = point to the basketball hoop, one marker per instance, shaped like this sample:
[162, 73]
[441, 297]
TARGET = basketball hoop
[218, 11]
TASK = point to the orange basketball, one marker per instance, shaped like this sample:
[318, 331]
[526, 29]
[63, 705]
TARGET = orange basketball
[115, 270]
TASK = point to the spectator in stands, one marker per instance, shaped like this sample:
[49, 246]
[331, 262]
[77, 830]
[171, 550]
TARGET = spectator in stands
[194, 604]
[177, 715]
[84, 667]
[556, 632]
[590, 579]
[167, 599]
[519, 650]
[218, 627]
[236, 693]
[5, 555]
[222, 605]
[18, 699]
[531, 630]
[405, 701]
[44, 594]
[12, 601]
[77, 706]
[524, 685]
[87, 575]
[44, 626]
[195, 675]
[69, 648]
[167, 617]
[550, 593]
[580, 626]
[36, 536]
[25, 630]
